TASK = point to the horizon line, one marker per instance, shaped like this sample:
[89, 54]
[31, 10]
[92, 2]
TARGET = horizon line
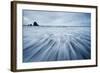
[58, 26]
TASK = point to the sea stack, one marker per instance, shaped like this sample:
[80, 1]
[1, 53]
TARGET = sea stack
[35, 24]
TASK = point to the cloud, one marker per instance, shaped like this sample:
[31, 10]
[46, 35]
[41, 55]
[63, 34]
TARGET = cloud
[56, 18]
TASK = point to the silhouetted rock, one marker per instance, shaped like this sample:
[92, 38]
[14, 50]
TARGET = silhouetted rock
[35, 24]
[29, 24]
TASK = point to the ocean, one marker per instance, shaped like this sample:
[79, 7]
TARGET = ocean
[56, 43]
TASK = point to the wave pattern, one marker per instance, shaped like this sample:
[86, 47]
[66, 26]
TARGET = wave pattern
[56, 43]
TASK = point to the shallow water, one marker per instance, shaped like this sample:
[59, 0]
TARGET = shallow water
[56, 43]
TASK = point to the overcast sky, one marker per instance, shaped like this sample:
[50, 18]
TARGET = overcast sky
[52, 18]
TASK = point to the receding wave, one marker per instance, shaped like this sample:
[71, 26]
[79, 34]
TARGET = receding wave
[56, 43]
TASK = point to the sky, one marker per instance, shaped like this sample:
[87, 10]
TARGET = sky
[56, 18]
